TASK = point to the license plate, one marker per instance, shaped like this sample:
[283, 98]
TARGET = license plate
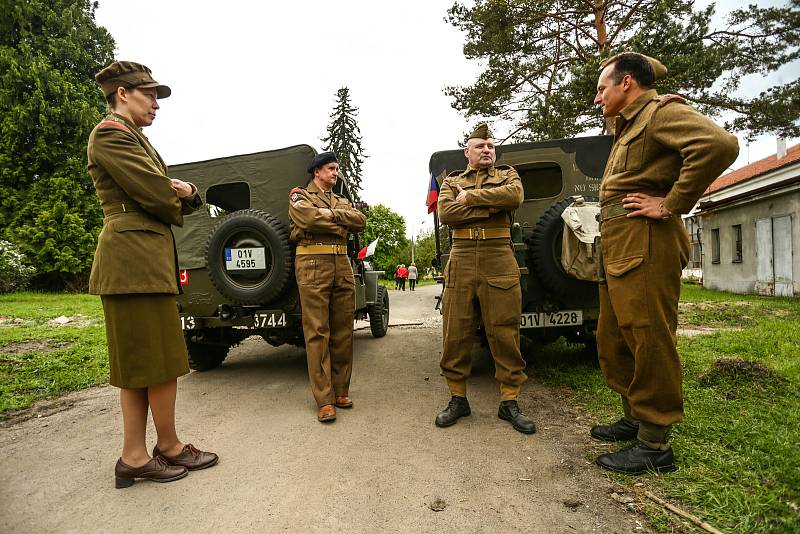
[269, 320]
[244, 259]
[188, 322]
[559, 318]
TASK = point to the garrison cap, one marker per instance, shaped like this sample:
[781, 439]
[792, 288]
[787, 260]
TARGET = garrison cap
[481, 131]
[321, 159]
[129, 75]
[659, 70]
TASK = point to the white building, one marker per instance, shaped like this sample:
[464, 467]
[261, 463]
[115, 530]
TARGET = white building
[749, 227]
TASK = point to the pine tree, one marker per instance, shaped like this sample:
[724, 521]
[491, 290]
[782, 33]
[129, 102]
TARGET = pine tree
[541, 60]
[49, 103]
[344, 138]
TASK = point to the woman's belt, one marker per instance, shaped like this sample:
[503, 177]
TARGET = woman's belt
[112, 208]
[320, 249]
[482, 233]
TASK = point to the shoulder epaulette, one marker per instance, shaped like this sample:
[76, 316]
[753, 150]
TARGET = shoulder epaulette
[663, 100]
[113, 124]
[455, 173]
[503, 167]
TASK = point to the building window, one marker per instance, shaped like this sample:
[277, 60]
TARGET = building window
[737, 243]
[715, 245]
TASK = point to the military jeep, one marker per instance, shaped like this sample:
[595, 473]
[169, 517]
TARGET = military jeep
[236, 260]
[555, 175]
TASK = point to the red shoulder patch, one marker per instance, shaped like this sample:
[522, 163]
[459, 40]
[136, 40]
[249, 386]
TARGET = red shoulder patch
[113, 124]
[295, 190]
[666, 99]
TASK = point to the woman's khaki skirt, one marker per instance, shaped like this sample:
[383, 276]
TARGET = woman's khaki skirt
[145, 340]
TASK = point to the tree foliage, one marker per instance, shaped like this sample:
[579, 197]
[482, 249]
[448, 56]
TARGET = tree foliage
[49, 103]
[391, 228]
[344, 138]
[542, 59]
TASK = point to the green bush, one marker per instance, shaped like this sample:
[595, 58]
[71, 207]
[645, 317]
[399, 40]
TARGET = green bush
[14, 274]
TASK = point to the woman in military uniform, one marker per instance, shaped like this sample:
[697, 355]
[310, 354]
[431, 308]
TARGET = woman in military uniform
[135, 273]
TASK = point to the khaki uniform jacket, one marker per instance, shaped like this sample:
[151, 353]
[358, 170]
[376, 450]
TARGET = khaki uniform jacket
[492, 196]
[309, 227]
[664, 147]
[136, 249]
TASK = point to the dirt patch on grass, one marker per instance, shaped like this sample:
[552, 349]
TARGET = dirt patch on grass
[736, 377]
[730, 315]
[73, 320]
[26, 347]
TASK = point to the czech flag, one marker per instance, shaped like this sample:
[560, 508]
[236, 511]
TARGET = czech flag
[433, 195]
[369, 250]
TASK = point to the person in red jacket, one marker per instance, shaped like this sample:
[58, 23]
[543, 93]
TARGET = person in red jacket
[402, 272]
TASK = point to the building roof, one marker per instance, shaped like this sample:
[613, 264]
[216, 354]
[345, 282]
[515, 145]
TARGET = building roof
[757, 168]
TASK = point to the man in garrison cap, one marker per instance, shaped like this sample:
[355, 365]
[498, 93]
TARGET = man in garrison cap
[320, 221]
[664, 156]
[478, 205]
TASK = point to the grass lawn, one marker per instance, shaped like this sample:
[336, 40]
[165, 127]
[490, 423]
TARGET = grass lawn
[39, 360]
[738, 447]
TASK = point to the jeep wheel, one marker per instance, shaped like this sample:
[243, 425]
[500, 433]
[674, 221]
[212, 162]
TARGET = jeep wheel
[379, 313]
[204, 357]
[545, 251]
[250, 258]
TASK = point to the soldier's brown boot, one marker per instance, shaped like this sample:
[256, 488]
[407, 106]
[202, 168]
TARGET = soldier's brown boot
[326, 414]
[344, 402]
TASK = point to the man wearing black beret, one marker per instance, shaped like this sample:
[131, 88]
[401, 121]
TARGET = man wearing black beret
[320, 221]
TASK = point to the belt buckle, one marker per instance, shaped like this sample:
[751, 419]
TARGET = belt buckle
[474, 234]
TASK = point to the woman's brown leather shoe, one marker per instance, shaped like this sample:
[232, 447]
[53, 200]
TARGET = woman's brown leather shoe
[156, 470]
[344, 402]
[190, 457]
[326, 413]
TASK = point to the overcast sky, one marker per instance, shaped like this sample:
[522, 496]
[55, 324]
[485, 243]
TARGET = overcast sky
[248, 76]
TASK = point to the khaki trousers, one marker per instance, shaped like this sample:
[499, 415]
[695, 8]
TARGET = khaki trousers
[636, 340]
[327, 298]
[483, 273]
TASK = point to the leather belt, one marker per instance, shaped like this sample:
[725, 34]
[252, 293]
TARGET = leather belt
[113, 208]
[320, 249]
[613, 210]
[482, 233]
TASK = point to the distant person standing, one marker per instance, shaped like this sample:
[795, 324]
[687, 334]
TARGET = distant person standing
[320, 221]
[135, 272]
[397, 277]
[403, 276]
[478, 204]
[664, 156]
[412, 276]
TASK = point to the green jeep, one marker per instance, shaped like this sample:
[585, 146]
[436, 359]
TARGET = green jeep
[557, 299]
[237, 262]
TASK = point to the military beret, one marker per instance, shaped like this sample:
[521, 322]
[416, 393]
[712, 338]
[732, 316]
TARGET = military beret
[481, 131]
[321, 159]
[659, 70]
[129, 75]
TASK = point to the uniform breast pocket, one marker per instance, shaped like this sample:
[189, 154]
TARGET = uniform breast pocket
[632, 144]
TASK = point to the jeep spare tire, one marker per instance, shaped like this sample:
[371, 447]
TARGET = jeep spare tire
[250, 258]
[545, 251]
